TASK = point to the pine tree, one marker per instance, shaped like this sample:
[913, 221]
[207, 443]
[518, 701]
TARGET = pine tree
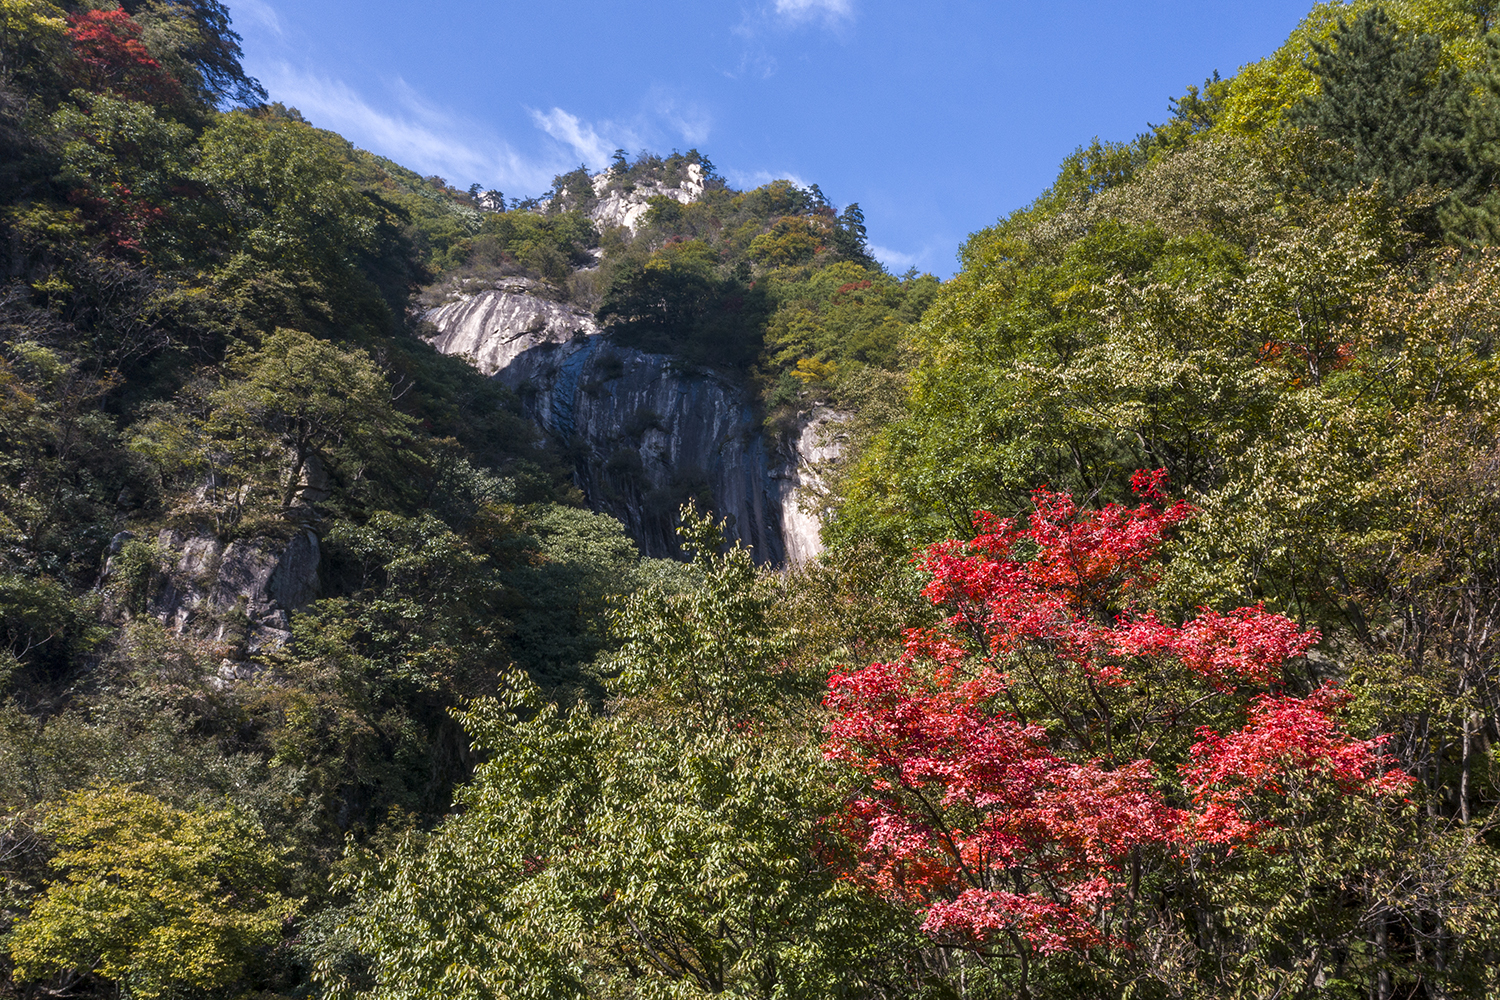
[1471, 216]
[1385, 101]
[849, 235]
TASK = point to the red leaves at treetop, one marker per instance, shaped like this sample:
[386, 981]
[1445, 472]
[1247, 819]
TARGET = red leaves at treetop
[107, 45]
[1085, 564]
[118, 214]
[111, 59]
[1246, 645]
[981, 821]
[964, 793]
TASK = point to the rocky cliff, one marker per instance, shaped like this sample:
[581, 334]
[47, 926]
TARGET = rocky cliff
[212, 586]
[646, 431]
[495, 324]
[236, 595]
[619, 207]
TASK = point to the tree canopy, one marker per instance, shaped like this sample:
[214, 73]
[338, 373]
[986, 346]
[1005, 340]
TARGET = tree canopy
[1152, 652]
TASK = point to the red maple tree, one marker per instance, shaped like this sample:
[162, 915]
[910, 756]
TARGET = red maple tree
[107, 46]
[1000, 828]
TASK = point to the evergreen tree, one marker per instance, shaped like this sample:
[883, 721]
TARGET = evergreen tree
[1384, 99]
[849, 236]
[1472, 215]
[1195, 112]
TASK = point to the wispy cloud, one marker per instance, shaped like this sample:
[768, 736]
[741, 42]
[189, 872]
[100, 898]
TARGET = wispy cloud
[691, 121]
[763, 22]
[416, 134]
[894, 260]
[664, 119]
[747, 179]
[407, 127]
[260, 14]
[581, 136]
[755, 62]
[829, 11]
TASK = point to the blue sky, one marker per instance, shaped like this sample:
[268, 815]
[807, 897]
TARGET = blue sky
[938, 118]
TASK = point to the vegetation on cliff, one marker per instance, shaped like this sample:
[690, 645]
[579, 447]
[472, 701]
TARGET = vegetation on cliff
[1190, 691]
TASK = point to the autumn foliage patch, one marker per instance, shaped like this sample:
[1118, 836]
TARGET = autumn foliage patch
[107, 45]
[1023, 757]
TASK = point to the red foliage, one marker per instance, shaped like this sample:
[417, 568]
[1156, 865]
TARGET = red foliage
[977, 819]
[107, 46]
[1086, 565]
[1313, 359]
[1248, 644]
[118, 214]
[1287, 740]
[963, 791]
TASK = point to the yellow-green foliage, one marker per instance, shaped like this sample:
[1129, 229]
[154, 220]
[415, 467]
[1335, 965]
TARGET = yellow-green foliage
[34, 22]
[287, 185]
[792, 240]
[1264, 90]
[294, 401]
[693, 256]
[157, 899]
[842, 315]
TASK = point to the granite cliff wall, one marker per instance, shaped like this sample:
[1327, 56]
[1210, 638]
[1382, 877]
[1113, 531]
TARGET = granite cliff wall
[646, 431]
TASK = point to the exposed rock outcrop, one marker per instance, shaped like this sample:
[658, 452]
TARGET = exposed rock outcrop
[247, 586]
[617, 207]
[494, 325]
[818, 443]
[647, 431]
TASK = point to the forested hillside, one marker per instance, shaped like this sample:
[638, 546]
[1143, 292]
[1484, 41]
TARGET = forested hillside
[1151, 655]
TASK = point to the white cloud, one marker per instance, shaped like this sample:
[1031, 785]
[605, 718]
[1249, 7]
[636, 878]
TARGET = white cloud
[259, 13]
[585, 141]
[689, 119]
[826, 10]
[765, 20]
[747, 179]
[417, 136]
[894, 260]
[755, 62]
[595, 142]
[417, 133]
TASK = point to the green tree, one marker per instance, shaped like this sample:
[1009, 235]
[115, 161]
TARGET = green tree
[668, 848]
[676, 300]
[286, 212]
[153, 898]
[318, 400]
[1386, 100]
[45, 630]
[1471, 217]
[124, 160]
[567, 567]
[286, 415]
[792, 240]
[369, 677]
[849, 236]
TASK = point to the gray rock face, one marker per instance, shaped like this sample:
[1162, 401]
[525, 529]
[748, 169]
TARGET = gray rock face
[209, 585]
[293, 584]
[647, 431]
[615, 206]
[493, 326]
[817, 444]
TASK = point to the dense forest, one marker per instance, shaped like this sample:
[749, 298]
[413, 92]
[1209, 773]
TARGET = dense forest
[1152, 653]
